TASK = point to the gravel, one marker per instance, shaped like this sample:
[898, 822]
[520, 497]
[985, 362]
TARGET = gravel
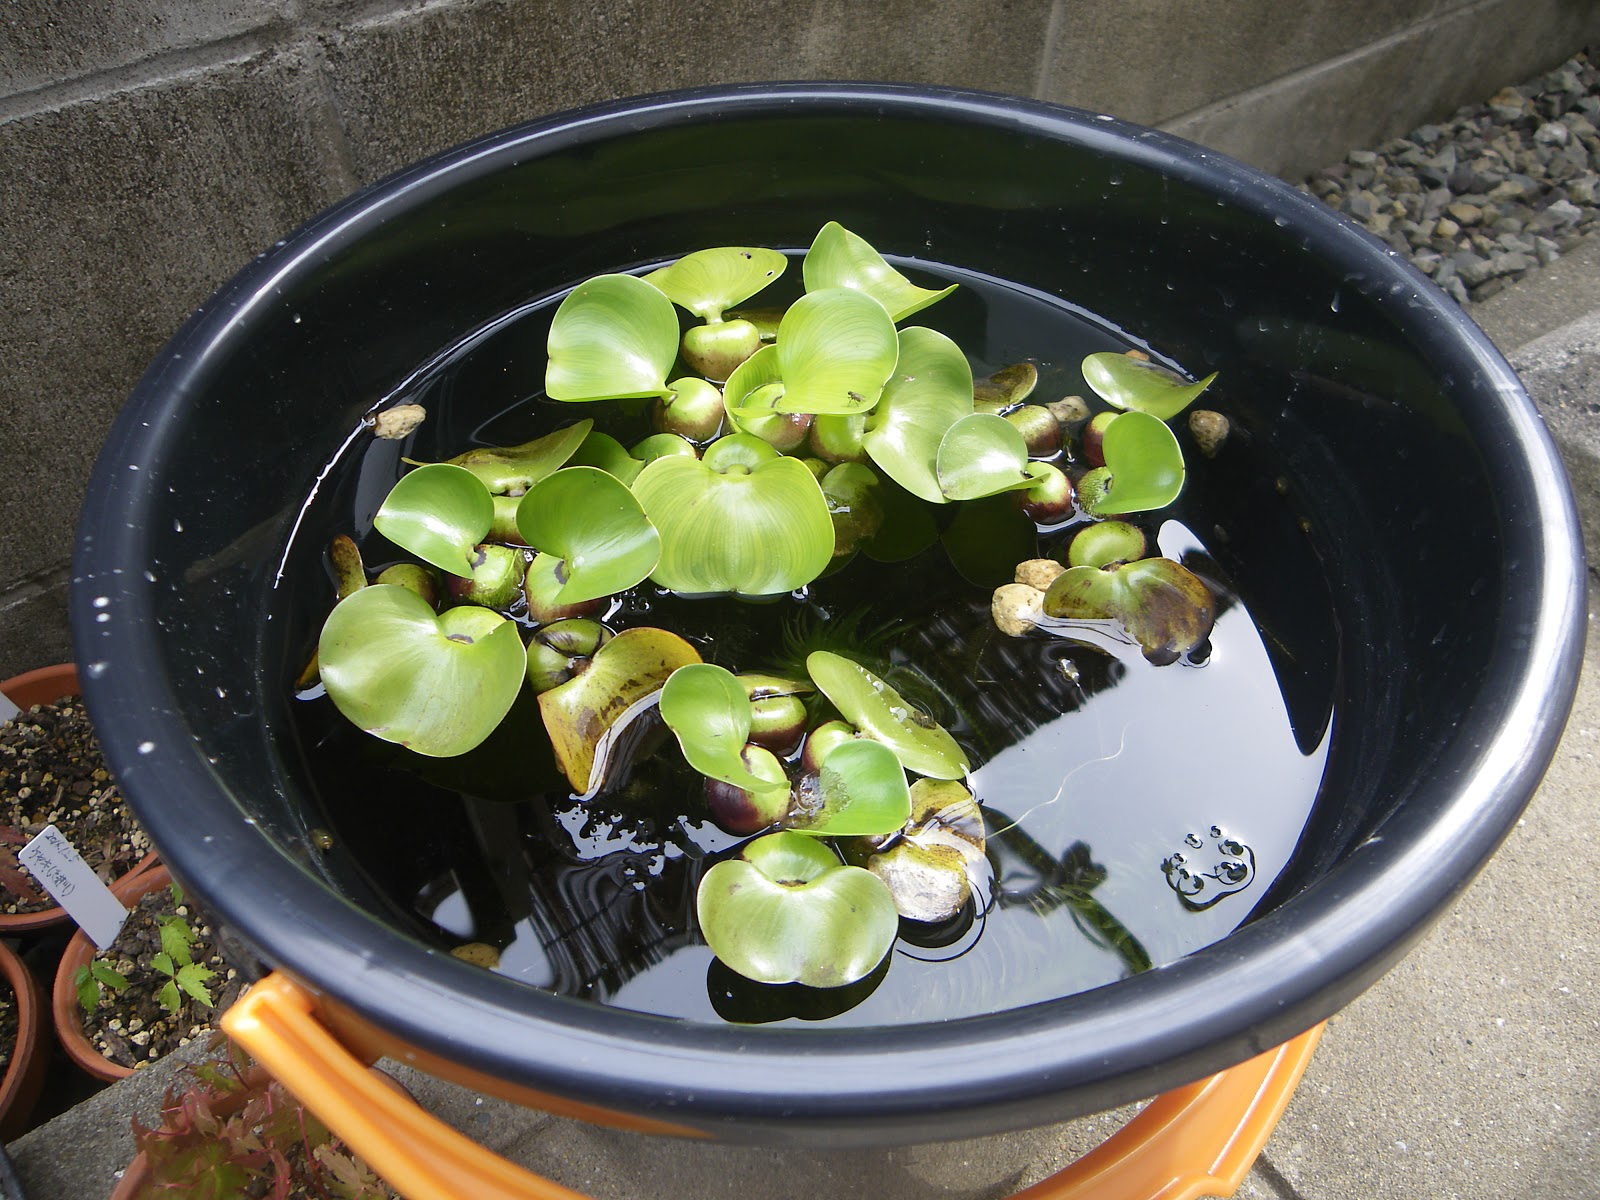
[1498, 190]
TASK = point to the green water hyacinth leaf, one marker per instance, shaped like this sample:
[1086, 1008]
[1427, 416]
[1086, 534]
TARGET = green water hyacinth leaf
[982, 455]
[508, 469]
[738, 452]
[613, 337]
[708, 282]
[788, 911]
[1141, 386]
[752, 531]
[1006, 388]
[593, 522]
[838, 258]
[1144, 467]
[611, 456]
[930, 390]
[1163, 606]
[627, 670]
[1104, 543]
[836, 349]
[439, 512]
[860, 791]
[662, 445]
[709, 712]
[877, 710]
[437, 684]
[751, 393]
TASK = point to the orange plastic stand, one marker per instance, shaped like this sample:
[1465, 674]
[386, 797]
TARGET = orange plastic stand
[1195, 1140]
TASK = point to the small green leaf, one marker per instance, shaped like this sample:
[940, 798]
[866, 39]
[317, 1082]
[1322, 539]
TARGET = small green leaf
[110, 976]
[877, 710]
[604, 451]
[836, 349]
[440, 513]
[708, 710]
[1104, 543]
[349, 572]
[750, 395]
[709, 282]
[191, 978]
[788, 911]
[982, 455]
[860, 791]
[163, 963]
[930, 390]
[168, 996]
[1141, 386]
[627, 669]
[1144, 467]
[613, 337]
[506, 469]
[838, 258]
[738, 453]
[176, 938]
[1006, 388]
[595, 525]
[1163, 606]
[88, 990]
[437, 683]
[753, 531]
[663, 445]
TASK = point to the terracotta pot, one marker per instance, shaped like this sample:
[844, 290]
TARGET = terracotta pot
[137, 1176]
[46, 685]
[80, 951]
[19, 1087]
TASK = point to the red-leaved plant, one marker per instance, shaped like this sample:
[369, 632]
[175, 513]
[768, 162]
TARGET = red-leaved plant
[235, 1132]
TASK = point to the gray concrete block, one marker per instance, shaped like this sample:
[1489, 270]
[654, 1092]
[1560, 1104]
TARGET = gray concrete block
[1151, 60]
[1294, 124]
[416, 81]
[48, 41]
[33, 624]
[120, 217]
[1546, 302]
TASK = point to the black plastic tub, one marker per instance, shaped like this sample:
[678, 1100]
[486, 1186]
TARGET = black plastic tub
[1429, 516]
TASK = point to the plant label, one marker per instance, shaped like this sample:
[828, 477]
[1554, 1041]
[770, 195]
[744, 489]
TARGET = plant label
[61, 871]
[8, 710]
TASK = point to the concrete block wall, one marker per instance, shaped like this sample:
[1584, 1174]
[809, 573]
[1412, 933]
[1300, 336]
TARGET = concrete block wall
[149, 148]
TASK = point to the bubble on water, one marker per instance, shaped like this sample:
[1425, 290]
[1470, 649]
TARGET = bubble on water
[177, 525]
[101, 602]
[1203, 879]
[146, 747]
[97, 669]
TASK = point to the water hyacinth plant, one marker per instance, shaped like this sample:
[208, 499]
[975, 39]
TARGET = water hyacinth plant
[787, 443]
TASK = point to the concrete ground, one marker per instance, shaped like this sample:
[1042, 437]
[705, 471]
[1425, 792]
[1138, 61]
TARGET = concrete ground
[1467, 1072]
